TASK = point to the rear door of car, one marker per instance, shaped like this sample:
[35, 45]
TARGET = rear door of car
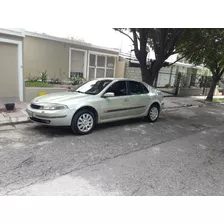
[139, 99]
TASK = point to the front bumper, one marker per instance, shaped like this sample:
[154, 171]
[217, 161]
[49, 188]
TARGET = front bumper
[50, 117]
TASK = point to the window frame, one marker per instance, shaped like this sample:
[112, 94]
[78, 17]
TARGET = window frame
[106, 55]
[111, 84]
[142, 85]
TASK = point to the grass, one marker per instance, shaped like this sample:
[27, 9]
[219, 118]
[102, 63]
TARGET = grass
[218, 100]
[37, 84]
[170, 90]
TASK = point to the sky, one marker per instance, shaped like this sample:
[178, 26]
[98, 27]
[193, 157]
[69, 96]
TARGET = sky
[93, 20]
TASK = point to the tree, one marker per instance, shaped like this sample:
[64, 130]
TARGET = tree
[207, 48]
[163, 41]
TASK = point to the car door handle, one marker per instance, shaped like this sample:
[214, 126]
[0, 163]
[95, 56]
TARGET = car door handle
[126, 100]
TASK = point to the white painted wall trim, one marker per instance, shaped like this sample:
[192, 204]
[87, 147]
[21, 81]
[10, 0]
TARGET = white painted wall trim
[103, 54]
[85, 61]
[88, 66]
[13, 32]
[20, 64]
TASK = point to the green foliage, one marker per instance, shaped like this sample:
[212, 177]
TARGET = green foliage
[33, 79]
[76, 80]
[167, 86]
[37, 84]
[55, 81]
[43, 76]
[204, 46]
[218, 100]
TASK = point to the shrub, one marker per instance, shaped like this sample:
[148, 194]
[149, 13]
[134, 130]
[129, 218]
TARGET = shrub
[33, 79]
[76, 80]
[167, 85]
[43, 76]
[55, 81]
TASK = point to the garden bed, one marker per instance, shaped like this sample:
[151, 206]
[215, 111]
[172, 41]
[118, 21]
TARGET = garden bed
[37, 84]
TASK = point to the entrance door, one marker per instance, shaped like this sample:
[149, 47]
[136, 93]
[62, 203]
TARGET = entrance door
[77, 67]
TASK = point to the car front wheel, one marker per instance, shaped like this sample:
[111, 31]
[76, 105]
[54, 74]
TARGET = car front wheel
[83, 122]
[153, 113]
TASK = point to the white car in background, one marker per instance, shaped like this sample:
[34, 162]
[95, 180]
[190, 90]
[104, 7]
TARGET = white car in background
[97, 101]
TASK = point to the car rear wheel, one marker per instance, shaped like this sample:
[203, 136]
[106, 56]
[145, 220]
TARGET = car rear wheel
[153, 113]
[83, 122]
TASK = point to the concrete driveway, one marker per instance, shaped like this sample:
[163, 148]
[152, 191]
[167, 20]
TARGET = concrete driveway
[181, 154]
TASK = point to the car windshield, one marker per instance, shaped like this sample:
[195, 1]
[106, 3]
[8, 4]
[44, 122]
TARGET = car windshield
[93, 87]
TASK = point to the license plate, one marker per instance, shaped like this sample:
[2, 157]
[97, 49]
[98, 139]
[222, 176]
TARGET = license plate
[30, 113]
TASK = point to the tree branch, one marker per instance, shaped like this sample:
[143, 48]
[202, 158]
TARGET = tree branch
[221, 72]
[178, 59]
[119, 30]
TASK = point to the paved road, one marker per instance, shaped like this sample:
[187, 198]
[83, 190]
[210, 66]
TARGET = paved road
[181, 154]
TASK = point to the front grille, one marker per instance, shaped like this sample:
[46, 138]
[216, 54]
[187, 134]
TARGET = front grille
[40, 120]
[34, 106]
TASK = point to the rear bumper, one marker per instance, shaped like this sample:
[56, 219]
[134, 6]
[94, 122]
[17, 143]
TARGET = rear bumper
[51, 118]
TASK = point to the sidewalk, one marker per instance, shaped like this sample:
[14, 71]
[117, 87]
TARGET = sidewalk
[19, 115]
[178, 102]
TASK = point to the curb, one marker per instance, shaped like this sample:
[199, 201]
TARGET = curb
[16, 122]
[184, 106]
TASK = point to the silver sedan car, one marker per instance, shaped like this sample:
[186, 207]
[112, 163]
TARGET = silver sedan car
[97, 101]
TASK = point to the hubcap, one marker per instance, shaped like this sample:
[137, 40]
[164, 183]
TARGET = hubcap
[154, 112]
[85, 122]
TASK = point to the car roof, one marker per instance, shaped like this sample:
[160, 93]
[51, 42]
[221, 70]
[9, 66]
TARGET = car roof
[117, 79]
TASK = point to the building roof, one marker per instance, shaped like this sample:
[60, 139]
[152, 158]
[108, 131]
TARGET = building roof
[66, 40]
[23, 33]
[13, 32]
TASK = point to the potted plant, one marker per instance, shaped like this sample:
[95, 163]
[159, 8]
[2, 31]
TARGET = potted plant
[10, 106]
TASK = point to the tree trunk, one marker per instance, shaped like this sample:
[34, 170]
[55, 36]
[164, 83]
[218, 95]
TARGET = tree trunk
[156, 74]
[155, 67]
[211, 91]
[150, 75]
[147, 76]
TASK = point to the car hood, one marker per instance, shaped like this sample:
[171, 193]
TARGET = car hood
[62, 98]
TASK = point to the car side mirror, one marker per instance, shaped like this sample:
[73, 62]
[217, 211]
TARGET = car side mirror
[108, 94]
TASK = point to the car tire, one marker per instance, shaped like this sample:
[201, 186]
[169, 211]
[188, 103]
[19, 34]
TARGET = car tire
[153, 113]
[83, 122]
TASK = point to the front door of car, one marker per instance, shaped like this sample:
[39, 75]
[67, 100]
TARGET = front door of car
[117, 105]
[139, 99]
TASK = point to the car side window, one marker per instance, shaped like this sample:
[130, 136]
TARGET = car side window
[136, 88]
[118, 88]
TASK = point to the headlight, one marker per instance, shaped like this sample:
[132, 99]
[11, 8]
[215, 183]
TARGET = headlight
[53, 107]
